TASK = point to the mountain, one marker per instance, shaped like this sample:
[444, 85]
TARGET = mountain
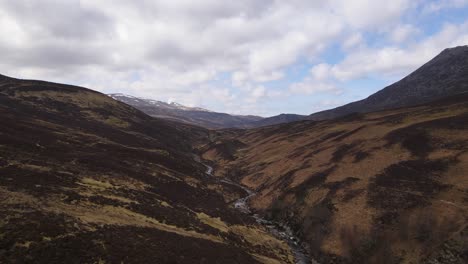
[87, 179]
[189, 115]
[382, 187]
[202, 117]
[445, 75]
[141, 102]
[278, 119]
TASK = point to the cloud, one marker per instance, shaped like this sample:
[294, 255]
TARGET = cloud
[444, 4]
[66, 20]
[321, 71]
[353, 41]
[402, 33]
[259, 38]
[368, 13]
[256, 94]
[209, 51]
[310, 86]
[393, 60]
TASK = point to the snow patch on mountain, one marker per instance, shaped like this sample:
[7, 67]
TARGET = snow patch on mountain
[133, 100]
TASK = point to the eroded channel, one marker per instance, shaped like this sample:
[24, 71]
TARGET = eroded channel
[279, 230]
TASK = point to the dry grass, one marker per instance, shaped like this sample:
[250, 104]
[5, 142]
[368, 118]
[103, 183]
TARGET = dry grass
[114, 215]
[82, 98]
[266, 260]
[92, 183]
[16, 198]
[259, 237]
[213, 222]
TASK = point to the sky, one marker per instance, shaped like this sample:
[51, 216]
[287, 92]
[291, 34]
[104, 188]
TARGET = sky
[261, 57]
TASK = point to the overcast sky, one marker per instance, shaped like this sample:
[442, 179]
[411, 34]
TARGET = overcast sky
[258, 57]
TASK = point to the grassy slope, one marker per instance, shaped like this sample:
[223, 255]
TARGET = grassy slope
[383, 187]
[86, 179]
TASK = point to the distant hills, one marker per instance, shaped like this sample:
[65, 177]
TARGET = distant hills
[199, 116]
[445, 75]
[278, 119]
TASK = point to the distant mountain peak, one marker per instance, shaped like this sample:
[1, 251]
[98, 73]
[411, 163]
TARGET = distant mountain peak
[130, 99]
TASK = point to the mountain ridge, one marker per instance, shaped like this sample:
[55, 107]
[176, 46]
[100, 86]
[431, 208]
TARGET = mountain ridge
[169, 105]
[428, 83]
[203, 117]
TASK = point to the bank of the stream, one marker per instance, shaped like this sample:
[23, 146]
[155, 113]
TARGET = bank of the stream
[279, 230]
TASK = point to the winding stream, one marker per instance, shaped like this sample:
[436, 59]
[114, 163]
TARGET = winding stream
[280, 231]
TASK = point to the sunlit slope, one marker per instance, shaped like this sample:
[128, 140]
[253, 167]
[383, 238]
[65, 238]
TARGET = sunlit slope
[381, 187]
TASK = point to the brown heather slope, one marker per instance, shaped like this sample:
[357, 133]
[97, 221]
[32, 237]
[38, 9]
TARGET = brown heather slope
[87, 179]
[382, 187]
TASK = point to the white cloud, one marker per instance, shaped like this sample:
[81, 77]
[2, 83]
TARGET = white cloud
[256, 94]
[353, 41]
[444, 4]
[402, 33]
[181, 49]
[259, 38]
[310, 86]
[321, 71]
[395, 60]
[370, 13]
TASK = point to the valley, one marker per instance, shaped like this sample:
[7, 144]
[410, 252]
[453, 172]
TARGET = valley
[362, 188]
[86, 179]
[279, 230]
[233, 132]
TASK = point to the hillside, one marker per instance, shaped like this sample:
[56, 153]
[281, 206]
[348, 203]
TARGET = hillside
[87, 179]
[382, 187]
[445, 75]
[275, 120]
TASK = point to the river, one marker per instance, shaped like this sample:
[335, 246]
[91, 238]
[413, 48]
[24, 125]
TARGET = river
[279, 230]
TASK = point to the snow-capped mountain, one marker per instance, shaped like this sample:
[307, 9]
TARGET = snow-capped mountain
[200, 116]
[191, 115]
[138, 101]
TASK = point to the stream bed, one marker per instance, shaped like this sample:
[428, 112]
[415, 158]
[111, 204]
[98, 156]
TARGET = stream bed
[279, 230]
